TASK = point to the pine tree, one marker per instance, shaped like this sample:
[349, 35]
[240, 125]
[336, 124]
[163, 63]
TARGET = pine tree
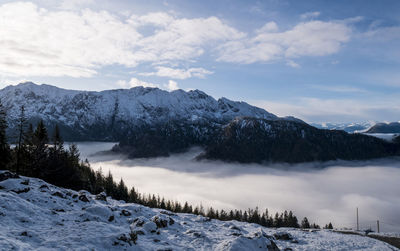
[305, 223]
[57, 140]
[109, 185]
[21, 138]
[133, 197]
[39, 153]
[5, 155]
[122, 191]
[211, 213]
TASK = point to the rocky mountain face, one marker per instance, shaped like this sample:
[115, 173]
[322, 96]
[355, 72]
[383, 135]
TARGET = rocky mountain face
[108, 115]
[260, 140]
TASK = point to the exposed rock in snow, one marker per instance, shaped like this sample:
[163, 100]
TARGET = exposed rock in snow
[42, 219]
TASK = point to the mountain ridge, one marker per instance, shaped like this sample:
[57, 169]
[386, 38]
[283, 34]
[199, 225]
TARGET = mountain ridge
[83, 110]
[149, 122]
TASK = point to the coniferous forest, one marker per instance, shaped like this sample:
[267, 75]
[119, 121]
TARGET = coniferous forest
[38, 154]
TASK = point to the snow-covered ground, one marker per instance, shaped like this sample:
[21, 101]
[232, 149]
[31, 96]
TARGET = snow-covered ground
[37, 215]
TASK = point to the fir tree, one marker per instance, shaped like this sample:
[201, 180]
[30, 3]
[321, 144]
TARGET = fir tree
[305, 223]
[133, 197]
[20, 139]
[122, 191]
[57, 140]
[5, 155]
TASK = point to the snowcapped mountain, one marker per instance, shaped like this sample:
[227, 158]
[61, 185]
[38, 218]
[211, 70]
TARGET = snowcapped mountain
[347, 127]
[81, 110]
[35, 215]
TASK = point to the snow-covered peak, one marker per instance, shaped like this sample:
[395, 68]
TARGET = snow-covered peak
[135, 105]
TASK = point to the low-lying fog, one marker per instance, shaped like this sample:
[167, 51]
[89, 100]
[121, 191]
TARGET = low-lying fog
[322, 192]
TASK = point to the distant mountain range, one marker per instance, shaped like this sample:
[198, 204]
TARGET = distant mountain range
[363, 127]
[150, 122]
[347, 127]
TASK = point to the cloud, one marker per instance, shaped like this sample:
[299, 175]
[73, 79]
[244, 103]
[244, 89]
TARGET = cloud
[293, 64]
[309, 15]
[323, 192]
[178, 73]
[335, 110]
[313, 38]
[134, 82]
[339, 88]
[172, 85]
[40, 42]
[75, 4]
[77, 42]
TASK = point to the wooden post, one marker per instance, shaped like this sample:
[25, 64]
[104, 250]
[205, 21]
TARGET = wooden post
[358, 227]
[377, 225]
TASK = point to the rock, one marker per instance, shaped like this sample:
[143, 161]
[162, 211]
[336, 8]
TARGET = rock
[288, 249]
[101, 196]
[58, 194]
[194, 233]
[150, 227]
[44, 186]
[25, 190]
[138, 232]
[125, 212]
[272, 246]
[283, 236]
[167, 213]
[162, 220]
[8, 175]
[25, 182]
[82, 197]
[111, 218]
[138, 222]
[128, 239]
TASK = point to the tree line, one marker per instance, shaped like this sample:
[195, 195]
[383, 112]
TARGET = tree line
[39, 155]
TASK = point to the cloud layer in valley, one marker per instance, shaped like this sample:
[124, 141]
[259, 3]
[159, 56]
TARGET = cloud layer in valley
[323, 192]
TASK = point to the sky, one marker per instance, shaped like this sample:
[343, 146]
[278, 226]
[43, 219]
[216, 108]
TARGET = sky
[321, 61]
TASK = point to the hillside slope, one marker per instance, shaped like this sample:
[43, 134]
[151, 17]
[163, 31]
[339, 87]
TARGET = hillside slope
[393, 127]
[258, 140]
[36, 215]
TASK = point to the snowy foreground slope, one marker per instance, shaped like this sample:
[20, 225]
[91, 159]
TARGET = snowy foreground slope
[37, 215]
